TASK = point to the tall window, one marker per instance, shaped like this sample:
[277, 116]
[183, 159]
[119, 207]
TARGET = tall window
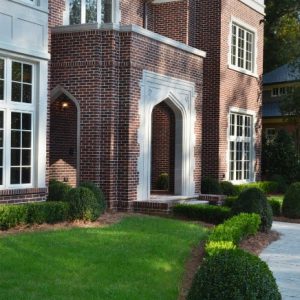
[240, 147]
[90, 11]
[17, 112]
[242, 48]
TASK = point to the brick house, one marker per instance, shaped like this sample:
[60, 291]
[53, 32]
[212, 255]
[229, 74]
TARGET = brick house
[137, 88]
[277, 85]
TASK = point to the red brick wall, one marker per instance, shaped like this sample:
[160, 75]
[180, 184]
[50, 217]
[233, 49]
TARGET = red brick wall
[109, 93]
[132, 12]
[163, 144]
[171, 19]
[224, 87]
[63, 141]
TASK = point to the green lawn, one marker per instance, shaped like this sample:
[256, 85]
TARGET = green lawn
[139, 258]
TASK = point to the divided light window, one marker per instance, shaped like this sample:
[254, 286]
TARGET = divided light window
[242, 48]
[17, 112]
[90, 11]
[240, 147]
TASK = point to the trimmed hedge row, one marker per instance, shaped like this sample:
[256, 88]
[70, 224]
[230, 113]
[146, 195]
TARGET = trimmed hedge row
[205, 213]
[267, 187]
[32, 213]
[231, 232]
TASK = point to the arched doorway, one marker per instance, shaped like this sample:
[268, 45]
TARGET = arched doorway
[64, 138]
[163, 149]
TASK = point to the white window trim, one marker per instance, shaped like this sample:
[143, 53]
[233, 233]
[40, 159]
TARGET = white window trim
[251, 113]
[268, 135]
[38, 109]
[248, 27]
[116, 12]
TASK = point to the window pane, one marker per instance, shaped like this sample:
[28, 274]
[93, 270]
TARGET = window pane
[27, 73]
[91, 11]
[1, 89]
[16, 91]
[75, 11]
[1, 157]
[15, 157]
[15, 139]
[15, 175]
[16, 71]
[27, 94]
[1, 68]
[1, 138]
[15, 120]
[26, 121]
[1, 176]
[26, 175]
[26, 139]
[1, 119]
[106, 14]
[26, 158]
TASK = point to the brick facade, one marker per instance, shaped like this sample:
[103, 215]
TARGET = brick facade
[102, 69]
[163, 145]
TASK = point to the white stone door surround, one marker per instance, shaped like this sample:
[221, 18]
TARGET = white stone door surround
[180, 95]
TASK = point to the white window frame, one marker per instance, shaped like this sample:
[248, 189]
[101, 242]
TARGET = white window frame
[115, 17]
[249, 28]
[270, 136]
[252, 114]
[8, 106]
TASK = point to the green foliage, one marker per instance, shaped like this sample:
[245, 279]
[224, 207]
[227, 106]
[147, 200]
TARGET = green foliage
[228, 188]
[291, 202]
[231, 232]
[280, 157]
[12, 215]
[253, 200]
[282, 33]
[98, 194]
[211, 186]
[83, 204]
[267, 187]
[281, 183]
[47, 212]
[58, 190]
[234, 275]
[230, 200]
[32, 213]
[205, 213]
[276, 206]
[163, 181]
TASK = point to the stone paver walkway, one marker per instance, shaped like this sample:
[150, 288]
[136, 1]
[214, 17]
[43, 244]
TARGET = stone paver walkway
[283, 258]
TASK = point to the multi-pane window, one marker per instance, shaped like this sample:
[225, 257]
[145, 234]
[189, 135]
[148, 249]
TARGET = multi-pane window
[240, 147]
[242, 48]
[270, 134]
[90, 11]
[282, 91]
[16, 123]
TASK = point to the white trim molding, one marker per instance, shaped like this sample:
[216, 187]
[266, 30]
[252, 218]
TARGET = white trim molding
[253, 114]
[257, 5]
[180, 95]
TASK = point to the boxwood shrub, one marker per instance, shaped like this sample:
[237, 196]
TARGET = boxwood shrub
[32, 213]
[98, 194]
[205, 213]
[291, 202]
[253, 200]
[230, 200]
[228, 188]
[211, 186]
[58, 190]
[231, 232]
[267, 187]
[276, 206]
[83, 204]
[234, 275]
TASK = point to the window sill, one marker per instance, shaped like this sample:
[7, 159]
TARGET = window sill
[240, 70]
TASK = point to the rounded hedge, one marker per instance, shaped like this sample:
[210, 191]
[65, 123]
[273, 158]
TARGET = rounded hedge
[83, 204]
[228, 188]
[58, 190]
[234, 275]
[98, 194]
[210, 186]
[253, 200]
[291, 202]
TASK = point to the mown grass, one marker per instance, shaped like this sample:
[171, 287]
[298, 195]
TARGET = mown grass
[138, 258]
